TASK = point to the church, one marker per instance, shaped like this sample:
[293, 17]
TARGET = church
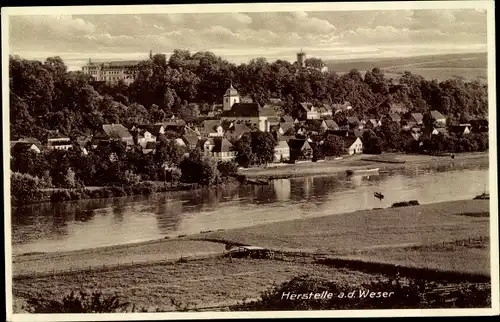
[250, 114]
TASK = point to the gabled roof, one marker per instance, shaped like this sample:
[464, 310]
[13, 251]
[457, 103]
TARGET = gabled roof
[306, 106]
[287, 118]
[286, 126]
[394, 117]
[437, 115]
[297, 144]
[331, 124]
[418, 117]
[116, 131]
[352, 120]
[52, 135]
[282, 144]
[242, 110]
[275, 100]
[151, 128]
[22, 146]
[349, 140]
[237, 130]
[222, 145]
[210, 126]
[190, 139]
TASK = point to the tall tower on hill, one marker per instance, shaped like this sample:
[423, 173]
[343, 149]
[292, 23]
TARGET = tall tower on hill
[301, 59]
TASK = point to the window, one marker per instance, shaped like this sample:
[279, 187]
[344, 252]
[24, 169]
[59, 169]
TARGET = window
[227, 100]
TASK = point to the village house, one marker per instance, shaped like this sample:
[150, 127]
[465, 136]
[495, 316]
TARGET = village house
[222, 150]
[26, 144]
[281, 151]
[112, 132]
[211, 128]
[417, 118]
[331, 125]
[325, 110]
[286, 119]
[440, 118]
[190, 141]
[353, 145]
[463, 129]
[236, 131]
[307, 111]
[300, 150]
[316, 126]
[174, 125]
[353, 122]
[372, 124]
[206, 145]
[54, 140]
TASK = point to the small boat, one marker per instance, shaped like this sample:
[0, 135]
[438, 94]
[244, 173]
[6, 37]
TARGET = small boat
[362, 171]
[484, 196]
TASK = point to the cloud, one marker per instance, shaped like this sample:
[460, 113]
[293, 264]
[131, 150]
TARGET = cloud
[246, 31]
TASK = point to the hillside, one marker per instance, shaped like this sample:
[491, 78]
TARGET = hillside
[471, 66]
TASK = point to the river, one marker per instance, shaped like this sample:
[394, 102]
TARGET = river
[103, 222]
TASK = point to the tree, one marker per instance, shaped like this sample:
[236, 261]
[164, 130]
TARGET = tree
[199, 168]
[24, 188]
[371, 143]
[314, 63]
[263, 144]
[390, 134]
[333, 145]
[244, 154]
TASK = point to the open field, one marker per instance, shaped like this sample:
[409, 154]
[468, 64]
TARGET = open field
[470, 60]
[471, 66]
[355, 162]
[382, 228]
[208, 282]
[152, 251]
[467, 256]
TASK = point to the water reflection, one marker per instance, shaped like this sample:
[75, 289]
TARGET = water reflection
[100, 222]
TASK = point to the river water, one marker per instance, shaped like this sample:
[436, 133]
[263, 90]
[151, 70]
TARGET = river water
[102, 222]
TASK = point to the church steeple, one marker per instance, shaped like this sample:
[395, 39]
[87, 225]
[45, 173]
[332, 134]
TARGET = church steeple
[230, 97]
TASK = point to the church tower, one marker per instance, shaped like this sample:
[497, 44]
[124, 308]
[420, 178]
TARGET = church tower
[230, 98]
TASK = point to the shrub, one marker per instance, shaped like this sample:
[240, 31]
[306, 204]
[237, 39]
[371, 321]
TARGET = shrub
[96, 302]
[227, 168]
[60, 195]
[25, 188]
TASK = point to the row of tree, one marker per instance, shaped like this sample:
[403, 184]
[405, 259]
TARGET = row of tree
[44, 95]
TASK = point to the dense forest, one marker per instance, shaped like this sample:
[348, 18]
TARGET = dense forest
[45, 96]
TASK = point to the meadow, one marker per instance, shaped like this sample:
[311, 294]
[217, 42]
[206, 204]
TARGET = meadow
[470, 66]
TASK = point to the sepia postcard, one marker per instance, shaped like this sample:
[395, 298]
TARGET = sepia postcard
[250, 160]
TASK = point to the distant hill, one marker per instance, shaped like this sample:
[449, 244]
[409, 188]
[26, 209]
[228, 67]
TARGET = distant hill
[471, 66]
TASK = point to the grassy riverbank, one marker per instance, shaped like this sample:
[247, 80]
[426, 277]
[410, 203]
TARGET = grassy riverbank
[419, 236]
[355, 162]
[337, 234]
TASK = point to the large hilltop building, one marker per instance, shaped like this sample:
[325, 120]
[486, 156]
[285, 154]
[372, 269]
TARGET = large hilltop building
[301, 63]
[112, 72]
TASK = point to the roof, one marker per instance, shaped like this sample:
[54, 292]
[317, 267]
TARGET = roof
[249, 110]
[30, 140]
[238, 129]
[286, 126]
[437, 115]
[306, 105]
[297, 144]
[52, 135]
[394, 117]
[273, 119]
[231, 91]
[174, 122]
[210, 126]
[418, 117]
[331, 124]
[20, 146]
[349, 140]
[222, 145]
[190, 139]
[61, 143]
[115, 63]
[287, 118]
[275, 100]
[151, 128]
[352, 120]
[282, 143]
[116, 131]
[314, 124]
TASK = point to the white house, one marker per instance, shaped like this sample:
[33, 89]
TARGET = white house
[281, 151]
[353, 145]
[440, 119]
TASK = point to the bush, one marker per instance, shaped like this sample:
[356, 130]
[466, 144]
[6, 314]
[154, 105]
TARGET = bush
[227, 168]
[60, 195]
[25, 188]
[96, 302]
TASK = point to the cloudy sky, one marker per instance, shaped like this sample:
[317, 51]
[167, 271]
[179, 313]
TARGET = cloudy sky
[239, 37]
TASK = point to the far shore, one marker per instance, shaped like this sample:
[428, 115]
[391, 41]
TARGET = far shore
[340, 235]
[356, 162]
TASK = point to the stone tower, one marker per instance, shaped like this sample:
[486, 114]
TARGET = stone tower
[230, 98]
[301, 59]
